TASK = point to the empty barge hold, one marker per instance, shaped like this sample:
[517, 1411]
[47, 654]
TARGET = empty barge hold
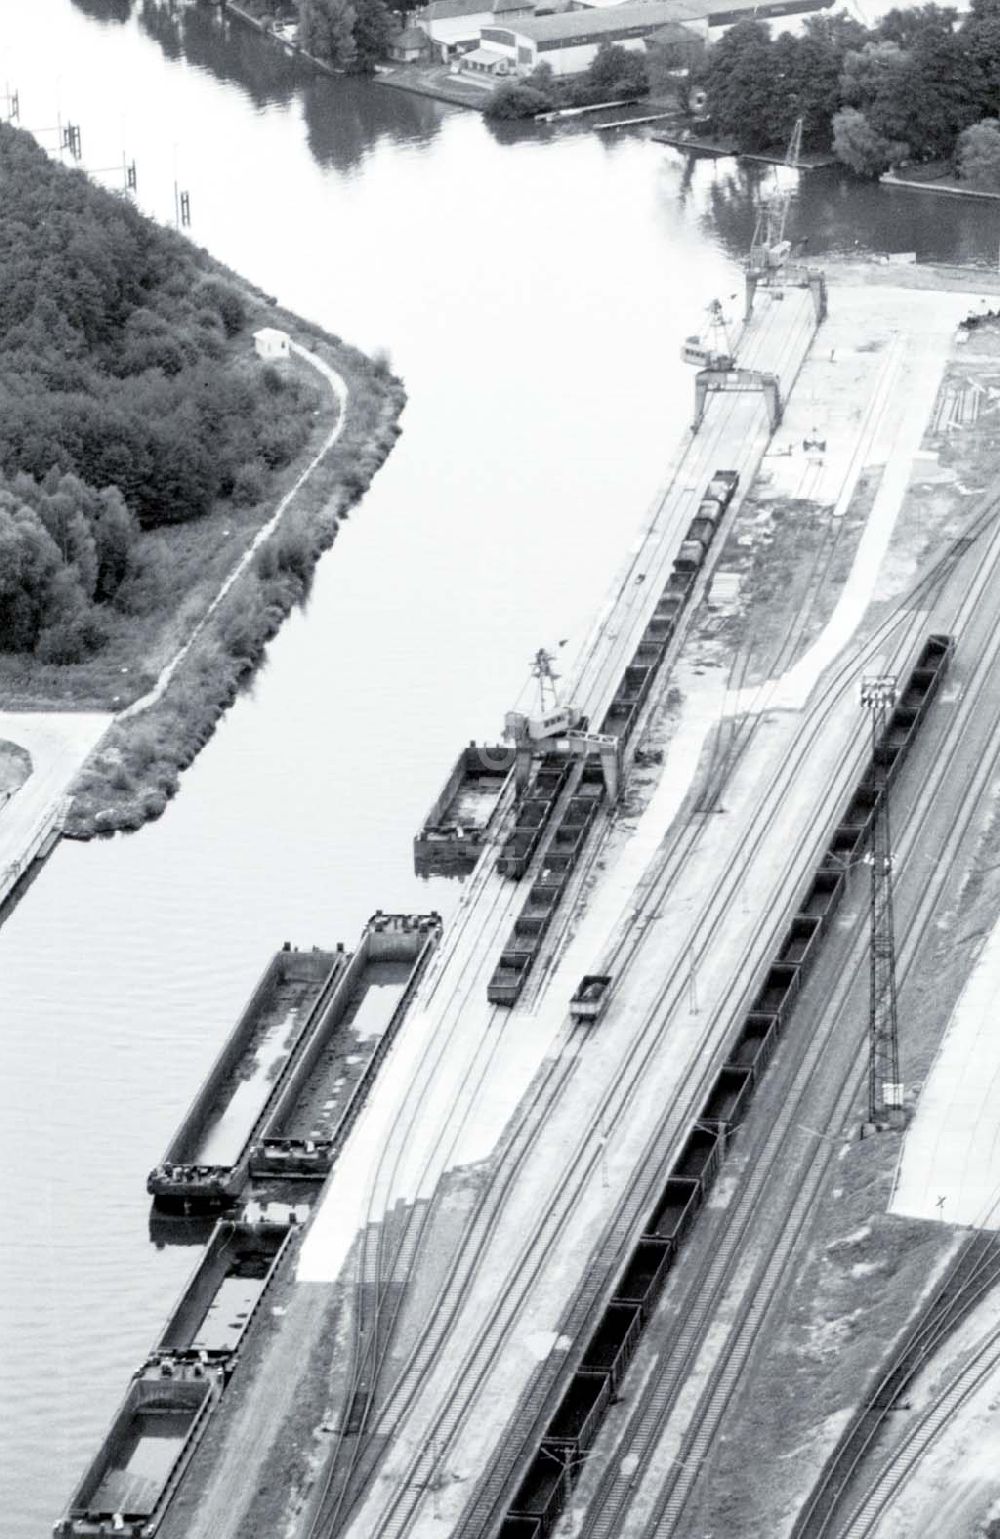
[324, 1090]
[128, 1486]
[558, 1457]
[224, 1294]
[205, 1167]
[461, 820]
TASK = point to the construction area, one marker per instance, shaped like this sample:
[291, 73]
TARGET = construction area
[657, 1193]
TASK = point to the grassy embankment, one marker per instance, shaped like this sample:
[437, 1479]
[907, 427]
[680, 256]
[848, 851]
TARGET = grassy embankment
[137, 766]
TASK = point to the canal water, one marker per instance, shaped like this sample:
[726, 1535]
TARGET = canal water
[533, 289]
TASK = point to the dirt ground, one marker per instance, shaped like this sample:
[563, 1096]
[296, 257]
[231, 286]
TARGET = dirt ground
[863, 1271]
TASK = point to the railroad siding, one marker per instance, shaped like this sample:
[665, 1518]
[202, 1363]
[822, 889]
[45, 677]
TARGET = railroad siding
[575, 1424]
[569, 836]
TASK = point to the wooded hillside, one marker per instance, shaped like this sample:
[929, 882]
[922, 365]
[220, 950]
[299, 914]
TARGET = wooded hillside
[130, 400]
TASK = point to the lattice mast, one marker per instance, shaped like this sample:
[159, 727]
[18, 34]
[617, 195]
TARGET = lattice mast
[547, 680]
[885, 1091]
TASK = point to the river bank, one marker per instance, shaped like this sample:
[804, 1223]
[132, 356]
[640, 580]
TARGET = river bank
[136, 767]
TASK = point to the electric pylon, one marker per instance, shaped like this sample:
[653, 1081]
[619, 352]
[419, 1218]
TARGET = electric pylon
[885, 1092]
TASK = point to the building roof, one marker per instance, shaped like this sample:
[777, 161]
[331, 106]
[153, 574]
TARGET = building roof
[485, 56]
[721, 12]
[410, 37]
[502, 6]
[271, 334]
[637, 17]
[675, 32]
[644, 15]
[444, 10]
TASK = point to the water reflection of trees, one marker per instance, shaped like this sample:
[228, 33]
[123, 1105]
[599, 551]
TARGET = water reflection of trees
[105, 10]
[345, 119]
[226, 48]
[833, 212]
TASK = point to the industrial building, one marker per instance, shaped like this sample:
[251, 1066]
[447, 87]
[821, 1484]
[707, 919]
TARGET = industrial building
[453, 27]
[568, 40]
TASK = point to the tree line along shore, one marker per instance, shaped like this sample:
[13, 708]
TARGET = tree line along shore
[145, 447]
[921, 88]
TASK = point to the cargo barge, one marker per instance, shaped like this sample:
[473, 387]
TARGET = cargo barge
[293, 1074]
[141, 1462]
[205, 1167]
[324, 1090]
[223, 1294]
[461, 821]
[308, 1047]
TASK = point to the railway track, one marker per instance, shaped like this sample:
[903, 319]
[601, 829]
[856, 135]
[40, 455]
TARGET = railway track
[503, 1317]
[525, 1426]
[374, 1335]
[974, 1274]
[439, 1440]
[927, 1429]
[763, 1285]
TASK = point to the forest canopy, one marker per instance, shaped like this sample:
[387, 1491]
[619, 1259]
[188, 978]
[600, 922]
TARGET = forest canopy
[911, 88]
[129, 394]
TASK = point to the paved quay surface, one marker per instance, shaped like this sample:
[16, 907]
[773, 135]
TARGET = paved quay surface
[449, 1093]
[58, 743]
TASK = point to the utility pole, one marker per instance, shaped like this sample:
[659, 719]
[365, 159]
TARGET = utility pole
[182, 207]
[70, 140]
[885, 1092]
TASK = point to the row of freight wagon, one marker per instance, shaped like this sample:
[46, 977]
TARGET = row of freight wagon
[564, 847]
[536, 807]
[572, 1430]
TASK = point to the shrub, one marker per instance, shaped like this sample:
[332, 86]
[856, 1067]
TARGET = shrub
[979, 155]
[250, 484]
[516, 100]
[227, 303]
[295, 551]
[858, 145]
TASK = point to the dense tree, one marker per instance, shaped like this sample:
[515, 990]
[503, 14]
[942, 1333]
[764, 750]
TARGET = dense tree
[860, 146]
[129, 398]
[617, 72]
[979, 155]
[372, 31]
[740, 77]
[326, 29]
[904, 26]
[916, 80]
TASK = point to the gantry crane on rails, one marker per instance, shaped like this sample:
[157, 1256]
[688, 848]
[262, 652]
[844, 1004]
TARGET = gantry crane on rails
[768, 262]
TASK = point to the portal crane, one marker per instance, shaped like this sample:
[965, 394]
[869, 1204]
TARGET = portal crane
[769, 249]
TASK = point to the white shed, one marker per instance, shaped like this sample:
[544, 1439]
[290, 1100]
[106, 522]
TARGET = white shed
[269, 342]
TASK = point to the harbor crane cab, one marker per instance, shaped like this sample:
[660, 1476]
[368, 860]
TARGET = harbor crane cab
[716, 348]
[559, 728]
[551, 719]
